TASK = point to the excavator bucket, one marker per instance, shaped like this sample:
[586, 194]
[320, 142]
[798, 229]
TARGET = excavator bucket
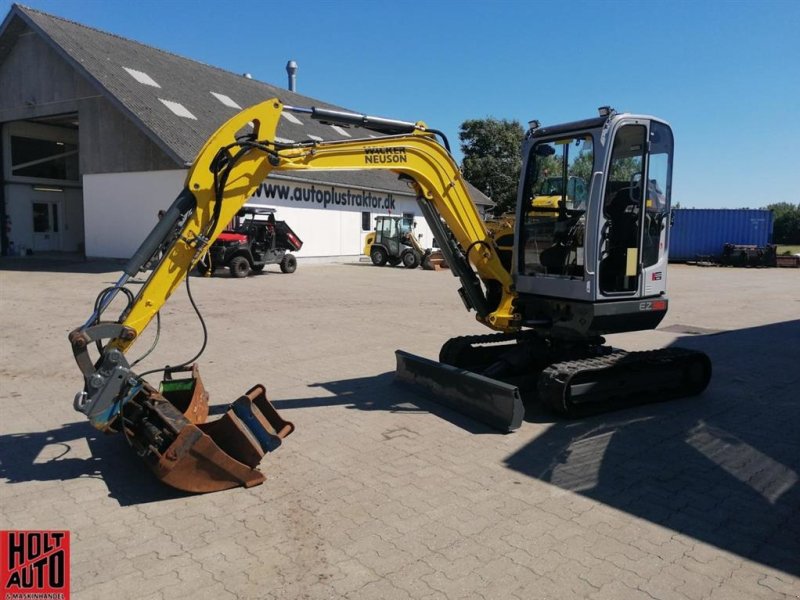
[490, 401]
[169, 429]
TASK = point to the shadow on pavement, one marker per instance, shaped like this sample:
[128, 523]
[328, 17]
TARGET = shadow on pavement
[60, 264]
[45, 456]
[375, 393]
[723, 468]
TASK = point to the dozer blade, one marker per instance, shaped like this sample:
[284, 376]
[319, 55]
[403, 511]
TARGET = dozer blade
[168, 429]
[495, 403]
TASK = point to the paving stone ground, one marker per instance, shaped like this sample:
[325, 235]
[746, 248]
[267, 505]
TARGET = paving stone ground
[380, 494]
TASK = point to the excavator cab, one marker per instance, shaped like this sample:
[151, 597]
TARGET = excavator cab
[603, 253]
[589, 258]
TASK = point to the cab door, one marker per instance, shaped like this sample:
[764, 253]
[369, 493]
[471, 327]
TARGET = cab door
[657, 200]
[634, 224]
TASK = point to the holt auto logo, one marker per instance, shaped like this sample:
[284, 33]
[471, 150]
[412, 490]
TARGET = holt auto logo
[34, 565]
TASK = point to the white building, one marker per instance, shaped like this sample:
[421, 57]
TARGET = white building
[98, 133]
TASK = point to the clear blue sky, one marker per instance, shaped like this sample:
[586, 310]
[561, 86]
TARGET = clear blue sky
[726, 75]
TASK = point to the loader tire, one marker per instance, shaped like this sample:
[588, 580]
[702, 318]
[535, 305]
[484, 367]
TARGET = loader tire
[378, 256]
[239, 266]
[288, 264]
[411, 259]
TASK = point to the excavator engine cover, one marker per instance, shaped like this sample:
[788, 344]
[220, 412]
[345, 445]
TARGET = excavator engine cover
[170, 431]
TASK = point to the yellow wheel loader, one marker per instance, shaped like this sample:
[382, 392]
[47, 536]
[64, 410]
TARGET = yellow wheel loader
[393, 241]
[550, 290]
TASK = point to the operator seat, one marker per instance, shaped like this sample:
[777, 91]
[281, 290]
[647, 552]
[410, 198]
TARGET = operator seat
[622, 233]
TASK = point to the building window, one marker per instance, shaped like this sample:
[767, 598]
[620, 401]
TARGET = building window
[44, 159]
[366, 221]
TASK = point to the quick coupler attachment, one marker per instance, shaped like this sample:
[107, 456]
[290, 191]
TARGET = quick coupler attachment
[170, 431]
[495, 403]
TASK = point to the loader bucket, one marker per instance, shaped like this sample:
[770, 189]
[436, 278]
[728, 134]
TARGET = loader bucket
[200, 456]
[495, 403]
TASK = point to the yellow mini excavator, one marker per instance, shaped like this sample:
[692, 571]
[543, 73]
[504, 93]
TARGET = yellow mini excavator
[551, 287]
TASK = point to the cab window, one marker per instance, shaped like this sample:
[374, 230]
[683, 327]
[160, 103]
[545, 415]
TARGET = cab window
[557, 182]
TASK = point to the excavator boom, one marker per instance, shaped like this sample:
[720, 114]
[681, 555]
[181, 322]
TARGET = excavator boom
[168, 425]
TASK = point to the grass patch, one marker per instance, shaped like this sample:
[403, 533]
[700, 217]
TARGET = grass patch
[784, 250]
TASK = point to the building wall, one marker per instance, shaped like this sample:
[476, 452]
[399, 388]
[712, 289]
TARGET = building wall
[110, 143]
[19, 208]
[121, 208]
[35, 81]
[316, 205]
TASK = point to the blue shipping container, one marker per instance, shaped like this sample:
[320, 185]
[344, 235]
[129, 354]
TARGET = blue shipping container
[704, 231]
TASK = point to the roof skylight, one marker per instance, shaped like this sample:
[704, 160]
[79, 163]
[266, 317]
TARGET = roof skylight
[291, 118]
[340, 131]
[178, 108]
[226, 100]
[141, 77]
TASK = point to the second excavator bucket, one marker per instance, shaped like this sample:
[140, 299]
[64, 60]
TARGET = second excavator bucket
[490, 401]
[169, 429]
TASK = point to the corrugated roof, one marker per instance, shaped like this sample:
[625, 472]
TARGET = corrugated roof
[180, 102]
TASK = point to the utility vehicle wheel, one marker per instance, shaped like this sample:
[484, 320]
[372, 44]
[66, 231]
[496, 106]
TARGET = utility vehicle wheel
[378, 256]
[258, 268]
[411, 260]
[239, 266]
[289, 263]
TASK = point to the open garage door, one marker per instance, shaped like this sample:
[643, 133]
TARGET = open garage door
[43, 199]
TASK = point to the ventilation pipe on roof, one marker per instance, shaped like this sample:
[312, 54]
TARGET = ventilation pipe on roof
[291, 69]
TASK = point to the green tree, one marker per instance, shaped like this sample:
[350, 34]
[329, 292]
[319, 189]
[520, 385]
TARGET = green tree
[786, 219]
[582, 167]
[492, 158]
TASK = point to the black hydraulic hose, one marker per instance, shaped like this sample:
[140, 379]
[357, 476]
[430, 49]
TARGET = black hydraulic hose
[155, 342]
[444, 138]
[99, 301]
[219, 186]
[222, 172]
[202, 348]
[476, 243]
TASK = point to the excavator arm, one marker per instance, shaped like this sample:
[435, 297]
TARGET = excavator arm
[168, 426]
[230, 167]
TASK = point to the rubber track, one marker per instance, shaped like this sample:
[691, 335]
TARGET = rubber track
[454, 347]
[554, 381]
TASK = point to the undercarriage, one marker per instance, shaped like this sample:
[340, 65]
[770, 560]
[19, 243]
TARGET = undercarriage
[492, 377]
